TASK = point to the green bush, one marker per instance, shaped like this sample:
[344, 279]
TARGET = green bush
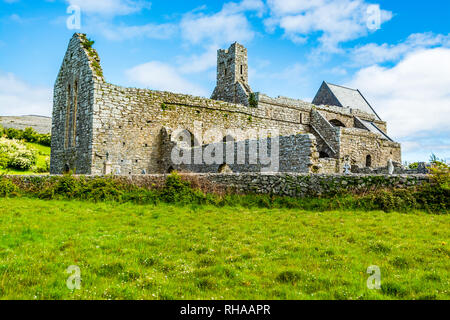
[42, 168]
[252, 102]
[16, 155]
[413, 165]
[178, 191]
[4, 159]
[45, 140]
[29, 135]
[440, 175]
[8, 188]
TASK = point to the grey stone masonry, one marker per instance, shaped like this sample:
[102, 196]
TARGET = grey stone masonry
[101, 128]
[296, 153]
[281, 184]
[232, 75]
[73, 102]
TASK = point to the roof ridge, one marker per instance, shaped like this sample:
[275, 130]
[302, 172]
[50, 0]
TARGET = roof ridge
[337, 85]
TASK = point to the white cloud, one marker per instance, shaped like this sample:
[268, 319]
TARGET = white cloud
[413, 96]
[19, 98]
[373, 53]
[200, 62]
[228, 25]
[335, 20]
[123, 32]
[110, 7]
[160, 76]
[213, 31]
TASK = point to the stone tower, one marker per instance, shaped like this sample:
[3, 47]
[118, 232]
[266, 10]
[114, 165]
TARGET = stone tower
[232, 75]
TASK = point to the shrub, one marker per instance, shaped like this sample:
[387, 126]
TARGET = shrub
[178, 191]
[7, 188]
[43, 168]
[100, 189]
[252, 102]
[29, 135]
[45, 140]
[4, 159]
[12, 133]
[440, 175]
[413, 165]
[16, 155]
[88, 43]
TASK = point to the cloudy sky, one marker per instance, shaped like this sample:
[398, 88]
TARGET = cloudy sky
[396, 52]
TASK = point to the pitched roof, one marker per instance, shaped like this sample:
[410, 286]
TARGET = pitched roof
[351, 98]
[372, 127]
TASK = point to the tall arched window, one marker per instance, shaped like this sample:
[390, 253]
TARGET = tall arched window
[68, 109]
[368, 161]
[74, 114]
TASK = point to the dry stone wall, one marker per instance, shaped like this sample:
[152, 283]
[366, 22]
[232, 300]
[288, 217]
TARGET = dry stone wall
[281, 184]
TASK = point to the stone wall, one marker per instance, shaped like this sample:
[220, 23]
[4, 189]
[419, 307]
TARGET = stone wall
[358, 144]
[295, 153]
[73, 99]
[281, 184]
[328, 133]
[302, 185]
[328, 165]
[128, 123]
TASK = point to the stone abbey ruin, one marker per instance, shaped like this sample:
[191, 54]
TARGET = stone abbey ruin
[100, 128]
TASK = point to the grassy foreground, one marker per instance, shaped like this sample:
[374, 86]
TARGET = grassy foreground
[129, 251]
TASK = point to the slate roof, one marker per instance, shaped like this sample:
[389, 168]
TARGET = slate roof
[351, 98]
[372, 127]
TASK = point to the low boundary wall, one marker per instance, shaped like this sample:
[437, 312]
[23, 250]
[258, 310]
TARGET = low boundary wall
[282, 184]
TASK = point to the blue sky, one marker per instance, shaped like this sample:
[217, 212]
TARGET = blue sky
[402, 67]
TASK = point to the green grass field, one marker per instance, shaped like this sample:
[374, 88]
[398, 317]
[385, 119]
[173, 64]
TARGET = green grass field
[43, 154]
[127, 251]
